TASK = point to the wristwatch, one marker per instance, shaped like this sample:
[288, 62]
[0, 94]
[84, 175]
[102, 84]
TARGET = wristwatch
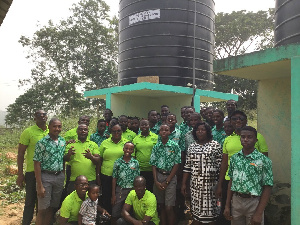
[144, 221]
[167, 182]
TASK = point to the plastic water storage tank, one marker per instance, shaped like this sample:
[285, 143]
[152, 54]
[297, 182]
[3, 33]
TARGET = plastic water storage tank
[156, 38]
[287, 22]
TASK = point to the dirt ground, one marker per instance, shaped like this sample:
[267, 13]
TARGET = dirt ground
[11, 214]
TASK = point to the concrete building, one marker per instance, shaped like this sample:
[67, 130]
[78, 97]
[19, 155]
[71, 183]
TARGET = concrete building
[277, 70]
[137, 99]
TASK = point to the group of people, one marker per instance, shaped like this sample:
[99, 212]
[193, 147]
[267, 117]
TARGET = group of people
[144, 171]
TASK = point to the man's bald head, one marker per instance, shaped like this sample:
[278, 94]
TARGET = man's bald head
[139, 180]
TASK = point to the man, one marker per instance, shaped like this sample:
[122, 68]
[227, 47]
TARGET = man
[251, 181]
[83, 155]
[108, 114]
[143, 203]
[175, 134]
[101, 134]
[184, 126]
[49, 172]
[153, 121]
[72, 203]
[71, 135]
[126, 133]
[189, 138]
[231, 106]
[232, 145]
[208, 116]
[28, 140]
[182, 112]
[164, 112]
[217, 130]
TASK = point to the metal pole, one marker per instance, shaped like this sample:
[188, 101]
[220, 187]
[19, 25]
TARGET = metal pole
[194, 58]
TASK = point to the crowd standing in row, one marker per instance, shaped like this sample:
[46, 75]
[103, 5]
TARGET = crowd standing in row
[150, 167]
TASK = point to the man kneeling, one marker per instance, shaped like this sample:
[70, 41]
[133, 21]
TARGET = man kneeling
[71, 205]
[143, 203]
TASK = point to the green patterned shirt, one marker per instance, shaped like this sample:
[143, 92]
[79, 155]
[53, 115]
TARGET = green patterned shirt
[218, 135]
[50, 153]
[165, 156]
[189, 139]
[184, 128]
[175, 136]
[155, 129]
[98, 139]
[126, 172]
[250, 173]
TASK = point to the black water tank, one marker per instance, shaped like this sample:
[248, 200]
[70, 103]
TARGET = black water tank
[287, 22]
[156, 38]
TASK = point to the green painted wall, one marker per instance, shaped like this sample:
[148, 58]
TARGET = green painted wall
[274, 122]
[140, 106]
[295, 130]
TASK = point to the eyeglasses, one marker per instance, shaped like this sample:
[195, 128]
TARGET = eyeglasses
[83, 185]
[235, 118]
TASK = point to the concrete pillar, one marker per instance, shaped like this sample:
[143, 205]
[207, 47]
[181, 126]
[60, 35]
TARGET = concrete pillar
[295, 132]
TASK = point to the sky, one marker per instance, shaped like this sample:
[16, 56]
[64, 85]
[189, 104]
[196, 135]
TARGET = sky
[24, 17]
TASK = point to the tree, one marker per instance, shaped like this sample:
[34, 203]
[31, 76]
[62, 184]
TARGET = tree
[238, 33]
[77, 54]
[24, 107]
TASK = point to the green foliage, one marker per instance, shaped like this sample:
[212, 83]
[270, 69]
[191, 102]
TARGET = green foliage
[24, 107]
[9, 191]
[238, 33]
[77, 54]
[9, 138]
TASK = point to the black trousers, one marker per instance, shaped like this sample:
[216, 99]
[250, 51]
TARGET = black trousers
[221, 219]
[148, 175]
[106, 183]
[30, 198]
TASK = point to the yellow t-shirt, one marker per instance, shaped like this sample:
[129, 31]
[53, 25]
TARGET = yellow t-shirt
[79, 164]
[147, 205]
[110, 152]
[30, 137]
[143, 149]
[71, 206]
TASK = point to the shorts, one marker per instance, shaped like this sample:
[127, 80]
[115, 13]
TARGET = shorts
[168, 196]
[242, 210]
[121, 195]
[54, 185]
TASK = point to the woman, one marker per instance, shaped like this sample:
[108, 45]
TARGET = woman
[144, 143]
[110, 150]
[202, 162]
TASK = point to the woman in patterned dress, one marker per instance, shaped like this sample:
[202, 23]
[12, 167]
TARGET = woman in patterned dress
[203, 162]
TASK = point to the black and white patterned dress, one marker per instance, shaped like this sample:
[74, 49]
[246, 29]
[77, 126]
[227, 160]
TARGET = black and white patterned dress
[203, 163]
